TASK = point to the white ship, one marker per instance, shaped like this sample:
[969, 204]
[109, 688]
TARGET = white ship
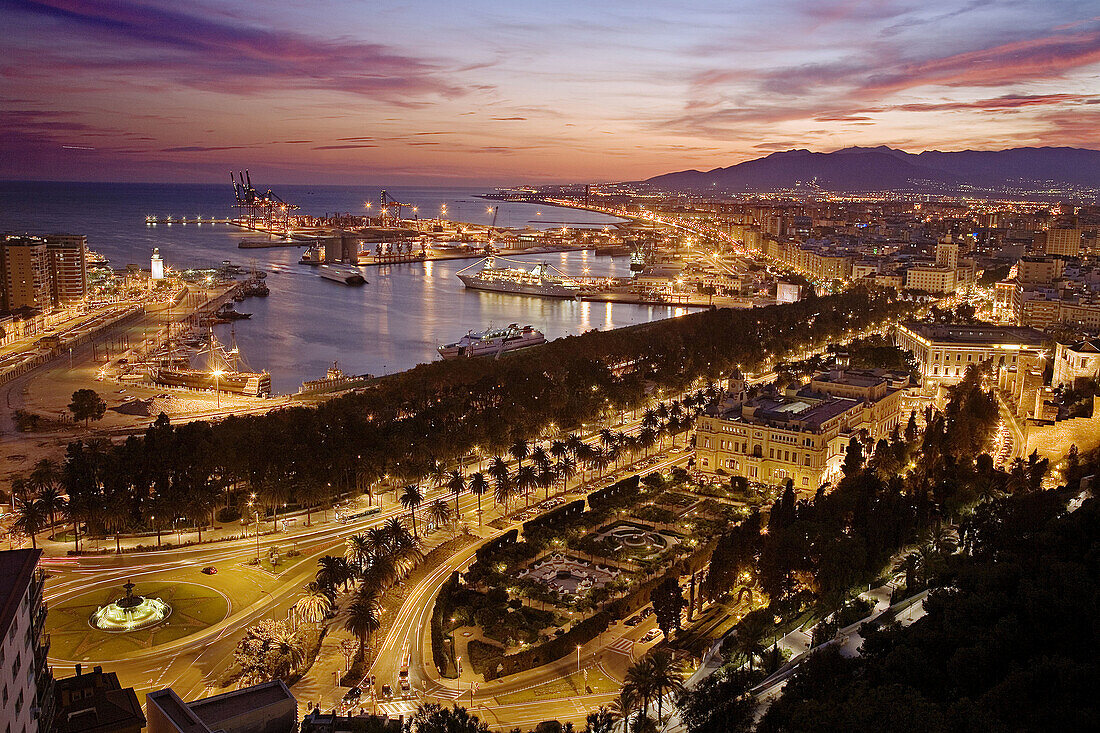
[493, 342]
[343, 274]
[542, 279]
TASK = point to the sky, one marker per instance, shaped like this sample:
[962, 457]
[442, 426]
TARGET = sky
[507, 93]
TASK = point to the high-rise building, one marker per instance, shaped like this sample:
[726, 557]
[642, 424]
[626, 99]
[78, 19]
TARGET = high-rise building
[24, 273]
[68, 267]
[26, 683]
[947, 253]
[1064, 242]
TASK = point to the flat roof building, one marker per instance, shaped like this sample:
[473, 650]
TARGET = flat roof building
[265, 708]
[944, 351]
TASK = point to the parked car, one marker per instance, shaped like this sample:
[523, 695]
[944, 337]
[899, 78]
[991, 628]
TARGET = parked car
[651, 635]
[634, 621]
[352, 696]
[210, 570]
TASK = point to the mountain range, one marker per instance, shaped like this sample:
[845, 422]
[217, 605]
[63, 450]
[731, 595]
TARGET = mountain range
[885, 168]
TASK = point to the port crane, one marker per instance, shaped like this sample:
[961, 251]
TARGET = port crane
[260, 211]
[386, 203]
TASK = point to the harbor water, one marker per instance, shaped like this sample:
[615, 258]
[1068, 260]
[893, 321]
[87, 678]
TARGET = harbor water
[395, 321]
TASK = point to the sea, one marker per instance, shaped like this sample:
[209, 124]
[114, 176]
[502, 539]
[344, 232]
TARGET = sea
[394, 322]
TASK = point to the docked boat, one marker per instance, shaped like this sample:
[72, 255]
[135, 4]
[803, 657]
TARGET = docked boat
[227, 313]
[542, 279]
[343, 274]
[493, 342]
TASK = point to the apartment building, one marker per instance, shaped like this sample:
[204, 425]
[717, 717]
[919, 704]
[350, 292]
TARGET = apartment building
[67, 255]
[1064, 242]
[24, 274]
[40, 272]
[26, 683]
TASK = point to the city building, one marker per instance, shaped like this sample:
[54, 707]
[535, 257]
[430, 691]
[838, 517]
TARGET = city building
[943, 352]
[40, 272]
[1061, 242]
[24, 273]
[95, 702]
[264, 708]
[801, 433]
[26, 683]
[1077, 361]
[68, 259]
[931, 278]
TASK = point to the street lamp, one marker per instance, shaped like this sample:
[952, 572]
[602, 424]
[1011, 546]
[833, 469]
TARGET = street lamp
[256, 516]
[578, 658]
[217, 388]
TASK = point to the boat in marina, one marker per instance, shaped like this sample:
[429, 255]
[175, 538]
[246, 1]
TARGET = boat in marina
[542, 279]
[343, 274]
[493, 342]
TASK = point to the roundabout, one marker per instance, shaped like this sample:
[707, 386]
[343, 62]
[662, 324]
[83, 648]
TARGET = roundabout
[104, 624]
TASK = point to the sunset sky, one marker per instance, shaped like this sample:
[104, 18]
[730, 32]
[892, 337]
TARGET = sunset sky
[523, 92]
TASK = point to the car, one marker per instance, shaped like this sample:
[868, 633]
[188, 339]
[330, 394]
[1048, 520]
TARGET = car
[210, 570]
[352, 696]
[634, 621]
[651, 635]
[387, 692]
[646, 612]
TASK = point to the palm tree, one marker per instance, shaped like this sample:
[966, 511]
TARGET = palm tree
[527, 478]
[503, 490]
[357, 551]
[667, 675]
[457, 484]
[438, 474]
[607, 438]
[624, 706]
[411, 498]
[479, 486]
[362, 617]
[439, 513]
[332, 571]
[53, 503]
[567, 469]
[31, 517]
[498, 469]
[647, 438]
[640, 680]
[314, 605]
[574, 444]
[289, 650]
[558, 449]
[45, 475]
[520, 450]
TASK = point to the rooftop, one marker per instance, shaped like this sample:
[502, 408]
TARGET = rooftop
[977, 334]
[95, 701]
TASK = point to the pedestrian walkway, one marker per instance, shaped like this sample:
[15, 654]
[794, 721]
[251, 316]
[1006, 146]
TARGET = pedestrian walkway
[623, 646]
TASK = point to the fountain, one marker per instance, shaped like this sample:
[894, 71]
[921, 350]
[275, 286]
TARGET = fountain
[130, 613]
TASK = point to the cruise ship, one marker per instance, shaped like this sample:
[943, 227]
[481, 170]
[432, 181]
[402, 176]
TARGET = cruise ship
[493, 342]
[343, 274]
[542, 279]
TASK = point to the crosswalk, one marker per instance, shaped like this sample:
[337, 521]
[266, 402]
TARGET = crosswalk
[623, 646]
[397, 707]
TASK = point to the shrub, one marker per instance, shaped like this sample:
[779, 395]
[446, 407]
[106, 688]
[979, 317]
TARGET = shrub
[228, 514]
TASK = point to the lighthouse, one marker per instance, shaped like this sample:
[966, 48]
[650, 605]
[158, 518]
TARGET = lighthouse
[156, 266]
